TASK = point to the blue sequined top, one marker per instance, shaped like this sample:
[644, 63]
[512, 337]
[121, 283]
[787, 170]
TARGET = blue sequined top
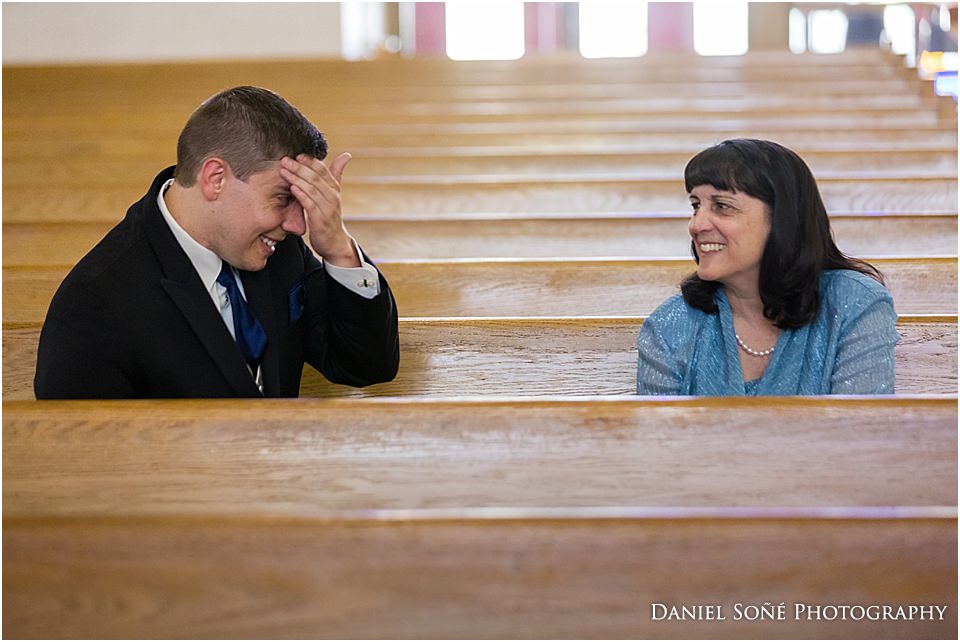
[848, 349]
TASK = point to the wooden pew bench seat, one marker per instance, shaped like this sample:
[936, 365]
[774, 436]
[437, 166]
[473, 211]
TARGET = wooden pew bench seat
[308, 457]
[533, 356]
[527, 574]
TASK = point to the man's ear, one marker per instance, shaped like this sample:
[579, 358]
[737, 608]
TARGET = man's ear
[212, 177]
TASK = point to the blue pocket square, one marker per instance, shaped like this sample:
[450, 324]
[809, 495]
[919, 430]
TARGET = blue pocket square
[296, 301]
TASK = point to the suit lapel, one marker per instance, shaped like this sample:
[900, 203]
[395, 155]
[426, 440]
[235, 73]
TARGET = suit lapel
[183, 285]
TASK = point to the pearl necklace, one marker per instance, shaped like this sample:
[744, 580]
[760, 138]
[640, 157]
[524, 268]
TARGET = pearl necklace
[754, 353]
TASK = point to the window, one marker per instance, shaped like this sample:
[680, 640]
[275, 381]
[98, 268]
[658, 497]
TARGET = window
[828, 31]
[720, 28]
[361, 29]
[484, 30]
[797, 31]
[900, 25]
[613, 30]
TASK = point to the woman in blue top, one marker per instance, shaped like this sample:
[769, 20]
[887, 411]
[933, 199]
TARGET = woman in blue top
[774, 307]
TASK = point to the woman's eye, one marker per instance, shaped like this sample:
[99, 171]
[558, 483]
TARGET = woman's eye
[695, 206]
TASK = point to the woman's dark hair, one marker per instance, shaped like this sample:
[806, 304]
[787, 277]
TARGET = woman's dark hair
[800, 245]
[249, 127]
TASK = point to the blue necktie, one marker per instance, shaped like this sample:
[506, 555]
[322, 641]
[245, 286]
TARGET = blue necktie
[249, 333]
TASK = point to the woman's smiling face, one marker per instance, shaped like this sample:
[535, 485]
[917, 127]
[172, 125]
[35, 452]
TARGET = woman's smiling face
[729, 232]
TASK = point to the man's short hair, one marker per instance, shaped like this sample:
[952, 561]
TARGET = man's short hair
[248, 127]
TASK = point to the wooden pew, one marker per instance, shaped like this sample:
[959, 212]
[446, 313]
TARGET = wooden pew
[36, 89]
[521, 236]
[37, 86]
[453, 161]
[478, 574]
[901, 93]
[669, 165]
[31, 86]
[585, 357]
[532, 356]
[660, 111]
[526, 287]
[309, 457]
[604, 287]
[439, 71]
[459, 160]
[530, 137]
[548, 235]
[436, 196]
[39, 129]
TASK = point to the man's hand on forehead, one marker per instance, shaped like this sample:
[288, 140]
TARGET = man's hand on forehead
[317, 186]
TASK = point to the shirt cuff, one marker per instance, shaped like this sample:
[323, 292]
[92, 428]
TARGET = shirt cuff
[363, 280]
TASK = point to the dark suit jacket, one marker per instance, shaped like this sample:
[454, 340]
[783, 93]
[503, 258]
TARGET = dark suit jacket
[133, 319]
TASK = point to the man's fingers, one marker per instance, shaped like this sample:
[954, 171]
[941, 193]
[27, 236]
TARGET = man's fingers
[338, 165]
[313, 170]
[313, 184]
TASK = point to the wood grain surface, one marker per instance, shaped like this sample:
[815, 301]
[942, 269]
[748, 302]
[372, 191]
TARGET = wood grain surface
[563, 577]
[520, 236]
[37, 86]
[159, 148]
[460, 161]
[536, 288]
[669, 113]
[437, 196]
[314, 457]
[532, 356]
[41, 128]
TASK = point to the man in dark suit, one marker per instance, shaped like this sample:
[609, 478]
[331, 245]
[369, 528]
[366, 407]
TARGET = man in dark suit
[206, 288]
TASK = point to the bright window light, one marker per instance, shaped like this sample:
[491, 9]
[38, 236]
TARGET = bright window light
[361, 29]
[798, 31]
[485, 30]
[720, 28]
[946, 84]
[828, 31]
[900, 26]
[612, 29]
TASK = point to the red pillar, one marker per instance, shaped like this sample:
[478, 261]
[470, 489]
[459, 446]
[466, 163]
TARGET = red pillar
[543, 27]
[670, 26]
[431, 28]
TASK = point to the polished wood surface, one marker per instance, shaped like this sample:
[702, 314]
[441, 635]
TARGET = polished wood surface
[474, 575]
[438, 196]
[312, 457]
[569, 137]
[584, 357]
[668, 113]
[530, 287]
[466, 161]
[513, 236]
[532, 356]
[37, 86]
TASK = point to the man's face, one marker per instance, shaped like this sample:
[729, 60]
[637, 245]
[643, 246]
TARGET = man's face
[253, 216]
